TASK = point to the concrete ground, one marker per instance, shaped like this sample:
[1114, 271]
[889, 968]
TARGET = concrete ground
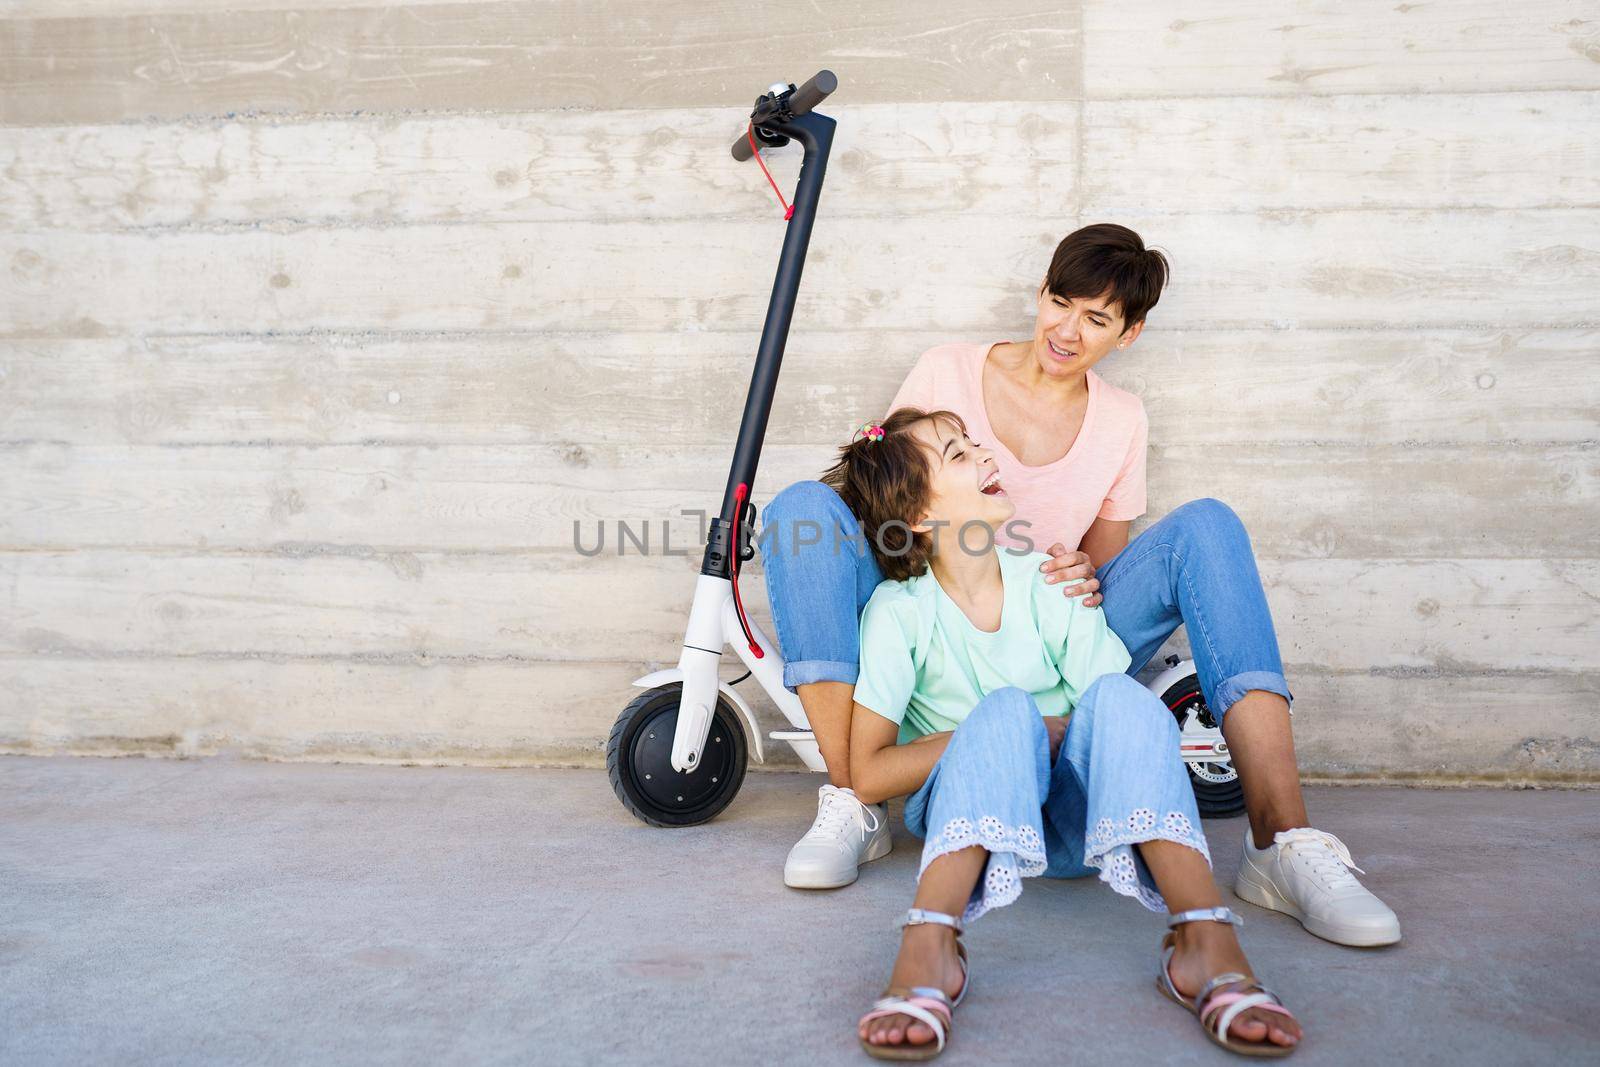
[237, 912]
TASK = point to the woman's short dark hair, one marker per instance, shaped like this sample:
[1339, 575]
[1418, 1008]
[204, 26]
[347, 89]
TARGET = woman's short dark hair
[888, 484]
[1111, 259]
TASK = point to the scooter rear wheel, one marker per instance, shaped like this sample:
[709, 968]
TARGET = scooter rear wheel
[639, 761]
[1217, 792]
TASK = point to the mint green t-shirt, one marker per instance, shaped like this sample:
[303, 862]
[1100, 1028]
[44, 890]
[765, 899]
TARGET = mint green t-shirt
[925, 666]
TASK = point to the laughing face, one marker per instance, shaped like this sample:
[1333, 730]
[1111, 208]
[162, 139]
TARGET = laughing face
[963, 479]
[1073, 333]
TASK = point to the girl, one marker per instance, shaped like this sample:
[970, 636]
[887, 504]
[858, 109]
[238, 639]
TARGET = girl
[1002, 708]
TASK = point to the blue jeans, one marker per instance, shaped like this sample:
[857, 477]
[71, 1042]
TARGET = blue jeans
[1194, 567]
[1117, 781]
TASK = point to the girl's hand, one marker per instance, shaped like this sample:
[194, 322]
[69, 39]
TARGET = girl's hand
[1063, 566]
[1056, 727]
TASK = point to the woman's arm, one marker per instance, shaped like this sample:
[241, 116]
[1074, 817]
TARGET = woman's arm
[1104, 539]
[880, 768]
[1106, 536]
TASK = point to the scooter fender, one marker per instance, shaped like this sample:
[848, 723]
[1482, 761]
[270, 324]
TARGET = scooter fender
[752, 732]
[1199, 744]
[1170, 677]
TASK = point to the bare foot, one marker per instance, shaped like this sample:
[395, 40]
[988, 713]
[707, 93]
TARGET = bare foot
[1205, 950]
[927, 958]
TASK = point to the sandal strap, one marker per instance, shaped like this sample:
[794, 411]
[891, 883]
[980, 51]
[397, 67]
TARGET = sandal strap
[1169, 949]
[922, 917]
[928, 992]
[1238, 1003]
[1215, 915]
[928, 1006]
[1229, 978]
[938, 1000]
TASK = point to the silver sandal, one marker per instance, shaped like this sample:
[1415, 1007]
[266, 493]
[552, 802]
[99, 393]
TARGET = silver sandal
[1205, 1006]
[926, 1004]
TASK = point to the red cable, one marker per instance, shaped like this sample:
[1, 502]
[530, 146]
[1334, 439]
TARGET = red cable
[788, 209]
[742, 489]
[738, 605]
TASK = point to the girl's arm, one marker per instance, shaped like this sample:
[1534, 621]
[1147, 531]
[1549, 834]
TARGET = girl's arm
[880, 768]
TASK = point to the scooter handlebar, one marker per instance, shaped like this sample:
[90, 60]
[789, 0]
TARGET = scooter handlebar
[813, 92]
[808, 96]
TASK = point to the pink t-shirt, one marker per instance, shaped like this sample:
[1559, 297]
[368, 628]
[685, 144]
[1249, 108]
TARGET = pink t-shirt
[1101, 476]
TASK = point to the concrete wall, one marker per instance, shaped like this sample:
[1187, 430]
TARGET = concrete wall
[322, 322]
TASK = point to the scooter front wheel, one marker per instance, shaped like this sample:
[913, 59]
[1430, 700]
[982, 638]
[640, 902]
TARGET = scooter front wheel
[639, 761]
[1217, 792]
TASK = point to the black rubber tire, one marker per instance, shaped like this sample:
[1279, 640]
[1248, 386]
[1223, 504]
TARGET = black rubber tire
[1216, 800]
[639, 754]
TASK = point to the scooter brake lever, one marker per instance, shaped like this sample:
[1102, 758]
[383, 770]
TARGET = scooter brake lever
[747, 533]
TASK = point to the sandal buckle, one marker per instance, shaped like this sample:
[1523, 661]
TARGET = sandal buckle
[1216, 915]
[923, 917]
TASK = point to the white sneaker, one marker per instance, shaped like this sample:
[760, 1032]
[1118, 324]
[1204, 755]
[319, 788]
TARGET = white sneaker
[1306, 873]
[846, 834]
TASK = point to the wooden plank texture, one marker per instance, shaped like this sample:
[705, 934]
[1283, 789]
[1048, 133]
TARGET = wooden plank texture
[1353, 387]
[1140, 158]
[1518, 726]
[1311, 153]
[331, 329]
[1339, 270]
[16, 9]
[888, 159]
[1314, 502]
[1267, 47]
[1421, 724]
[1465, 616]
[526, 55]
[410, 710]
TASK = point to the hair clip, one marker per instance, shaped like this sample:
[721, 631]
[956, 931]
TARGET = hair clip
[869, 431]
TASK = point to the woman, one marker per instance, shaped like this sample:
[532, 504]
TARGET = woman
[1071, 449]
[1002, 707]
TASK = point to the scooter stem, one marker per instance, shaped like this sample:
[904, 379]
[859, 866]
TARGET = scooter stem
[815, 132]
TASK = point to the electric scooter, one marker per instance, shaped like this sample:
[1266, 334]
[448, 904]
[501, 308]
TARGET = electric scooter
[677, 753]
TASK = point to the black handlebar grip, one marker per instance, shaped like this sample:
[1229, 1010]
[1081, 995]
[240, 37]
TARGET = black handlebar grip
[813, 92]
[808, 96]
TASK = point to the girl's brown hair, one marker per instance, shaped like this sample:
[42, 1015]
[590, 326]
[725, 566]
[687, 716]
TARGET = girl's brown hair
[887, 484]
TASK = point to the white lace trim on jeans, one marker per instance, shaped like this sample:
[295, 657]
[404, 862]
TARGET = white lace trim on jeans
[1109, 848]
[1015, 853]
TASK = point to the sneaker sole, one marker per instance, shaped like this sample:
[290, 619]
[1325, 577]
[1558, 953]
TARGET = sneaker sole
[876, 851]
[1264, 896]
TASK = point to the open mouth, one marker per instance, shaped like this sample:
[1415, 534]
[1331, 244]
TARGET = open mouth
[1060, 353]
[991, 487]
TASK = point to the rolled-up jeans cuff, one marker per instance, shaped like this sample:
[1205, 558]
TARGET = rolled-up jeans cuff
[1233, 688]
[807, 671]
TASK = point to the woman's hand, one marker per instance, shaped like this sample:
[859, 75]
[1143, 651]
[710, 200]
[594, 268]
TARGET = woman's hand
[1056, 727]
[1063, 566]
